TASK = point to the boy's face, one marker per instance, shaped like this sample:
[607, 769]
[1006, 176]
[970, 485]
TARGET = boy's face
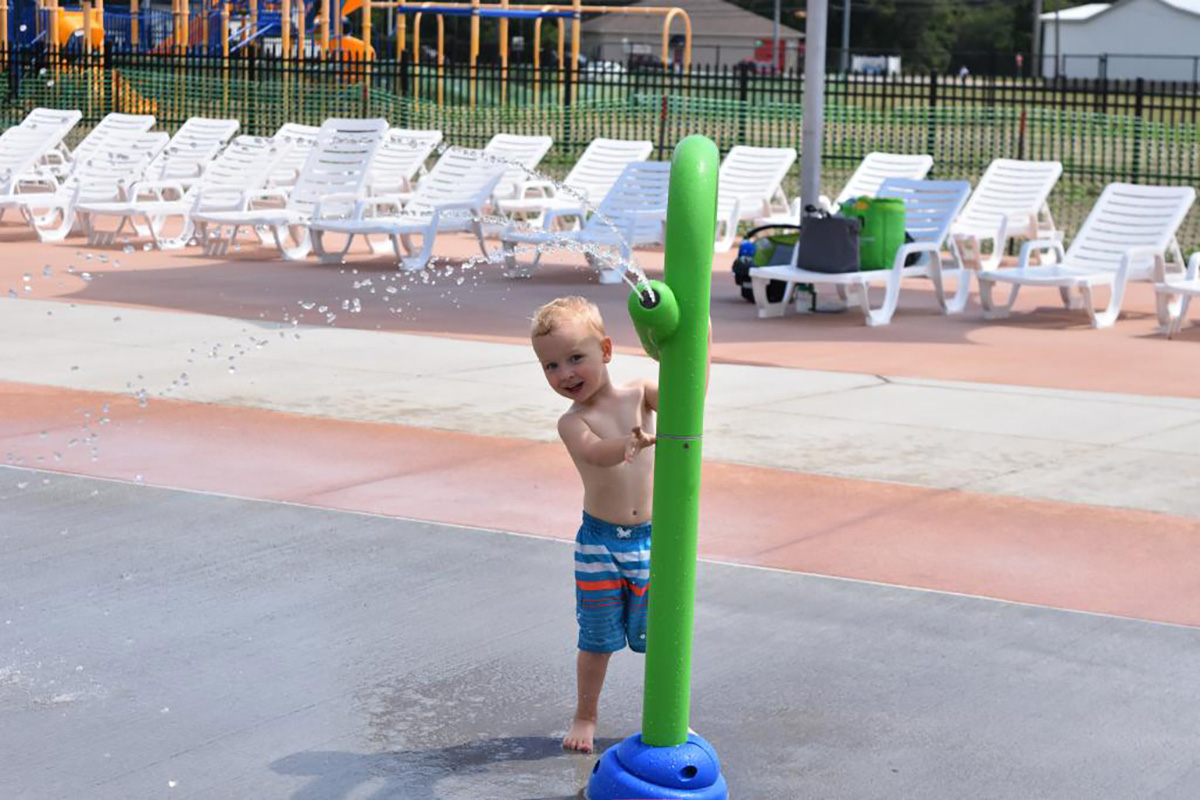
[573, 359]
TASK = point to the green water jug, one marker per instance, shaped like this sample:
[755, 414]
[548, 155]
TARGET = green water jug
[882, 229]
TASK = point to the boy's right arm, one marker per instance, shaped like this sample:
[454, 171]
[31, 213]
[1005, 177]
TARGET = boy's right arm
[585, 446]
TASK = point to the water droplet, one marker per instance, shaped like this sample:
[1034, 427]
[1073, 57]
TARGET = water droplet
[232, 369]
[12, 293]
[116, 319]
[87, 276]
[139, 478]
[22, 484]
[46, 271]
[128, 248]
[147, 247]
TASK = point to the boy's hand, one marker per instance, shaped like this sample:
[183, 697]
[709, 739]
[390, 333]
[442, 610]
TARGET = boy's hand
[638, 441]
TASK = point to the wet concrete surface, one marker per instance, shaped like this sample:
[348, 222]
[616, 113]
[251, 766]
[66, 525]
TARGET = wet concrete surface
[161, 643]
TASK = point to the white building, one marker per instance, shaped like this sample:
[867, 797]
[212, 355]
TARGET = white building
[1152, 39]
[722, 33]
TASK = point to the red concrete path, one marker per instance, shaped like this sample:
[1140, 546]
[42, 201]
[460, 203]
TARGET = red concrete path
[1127, 563]
[1043, 345]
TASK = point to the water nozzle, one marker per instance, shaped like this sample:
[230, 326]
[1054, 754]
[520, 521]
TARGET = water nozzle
[655, 315]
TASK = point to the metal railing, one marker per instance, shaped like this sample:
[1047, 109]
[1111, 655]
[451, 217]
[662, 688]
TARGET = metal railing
[1101, 130]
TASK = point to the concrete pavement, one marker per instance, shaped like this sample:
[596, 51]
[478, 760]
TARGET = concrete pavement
[159, 643]
[1071, 446]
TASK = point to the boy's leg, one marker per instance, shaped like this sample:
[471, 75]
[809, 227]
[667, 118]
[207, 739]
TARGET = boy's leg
[590, 671]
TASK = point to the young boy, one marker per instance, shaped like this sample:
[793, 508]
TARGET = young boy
[607, 430]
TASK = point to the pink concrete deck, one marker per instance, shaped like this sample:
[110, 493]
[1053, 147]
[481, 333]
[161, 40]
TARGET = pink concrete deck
[1042, 345]
[1132, 564]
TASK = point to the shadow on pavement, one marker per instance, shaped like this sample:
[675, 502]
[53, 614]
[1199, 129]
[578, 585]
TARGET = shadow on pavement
[414, 774]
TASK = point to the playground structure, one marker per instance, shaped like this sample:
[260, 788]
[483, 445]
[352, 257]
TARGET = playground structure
[303, 28]
[319, 30]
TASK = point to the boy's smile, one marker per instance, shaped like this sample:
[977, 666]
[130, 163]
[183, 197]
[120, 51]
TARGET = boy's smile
[573, 358]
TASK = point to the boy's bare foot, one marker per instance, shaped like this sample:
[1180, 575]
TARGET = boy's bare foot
[580, 737]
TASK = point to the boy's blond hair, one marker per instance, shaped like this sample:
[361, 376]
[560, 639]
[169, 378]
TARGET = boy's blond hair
[547, 319]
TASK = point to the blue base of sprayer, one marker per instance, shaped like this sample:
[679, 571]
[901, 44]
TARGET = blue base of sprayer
[634, 769]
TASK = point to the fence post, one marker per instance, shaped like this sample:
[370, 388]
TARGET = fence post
[931, 137]
[405, 94]
[662, 124]
[743, 103]
[1139, 106]
[568, 103]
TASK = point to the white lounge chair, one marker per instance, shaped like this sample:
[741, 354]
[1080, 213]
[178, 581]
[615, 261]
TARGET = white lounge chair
[227, 185]
[106, 175]
[61, 162]
[300, 140]
[1008, 203]
[588, 181]
[191, 149]
[24, 146]
[337, 166]
[870, 174]
[750, 187]
[520, 156]
[1178, 293]
[930, 209]
[400, 161]
[452, 197]
[1128, 235]
[633, 213]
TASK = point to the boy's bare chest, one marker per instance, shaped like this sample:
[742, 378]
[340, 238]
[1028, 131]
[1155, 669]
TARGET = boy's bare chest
[618, 416]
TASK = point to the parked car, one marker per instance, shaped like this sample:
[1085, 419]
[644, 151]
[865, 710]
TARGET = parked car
[644, 62]
[604, 70]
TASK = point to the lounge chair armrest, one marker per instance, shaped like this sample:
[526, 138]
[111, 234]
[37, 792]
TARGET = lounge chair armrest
[544, 189]
[909, 248]
[471, 206]
[275, 193]
[158, 190]
[565, 211]
[1155, 253]
[1040, 244]
[343, 202]
[1193, 267]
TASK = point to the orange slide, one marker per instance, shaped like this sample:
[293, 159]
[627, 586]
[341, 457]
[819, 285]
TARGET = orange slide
[350, 45]
[70, 23]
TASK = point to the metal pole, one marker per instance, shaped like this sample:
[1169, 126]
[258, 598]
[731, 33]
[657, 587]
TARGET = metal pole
[1058, 59]
[775, 38]
[845, 36]
[814, 101]
[1037, 38]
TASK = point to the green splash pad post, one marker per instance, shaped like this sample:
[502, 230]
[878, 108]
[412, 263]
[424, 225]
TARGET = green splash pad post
[671, 318]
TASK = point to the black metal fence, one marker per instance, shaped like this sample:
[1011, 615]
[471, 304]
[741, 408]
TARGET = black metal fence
[1101, 130]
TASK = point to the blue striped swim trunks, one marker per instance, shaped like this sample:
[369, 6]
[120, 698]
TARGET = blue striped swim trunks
[612, 585]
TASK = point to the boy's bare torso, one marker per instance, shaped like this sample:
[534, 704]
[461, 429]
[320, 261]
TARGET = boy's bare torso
[620, 494]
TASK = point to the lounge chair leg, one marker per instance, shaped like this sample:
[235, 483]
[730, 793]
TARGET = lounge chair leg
[57, 232]
[1176, 324]
[379, 248]
[326, 256]
[767, 309]
[1105, 318]
[990, 309]
[187, 234]
[294, 241]
[1073, 302]
[1168, 307]
[513, 268]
